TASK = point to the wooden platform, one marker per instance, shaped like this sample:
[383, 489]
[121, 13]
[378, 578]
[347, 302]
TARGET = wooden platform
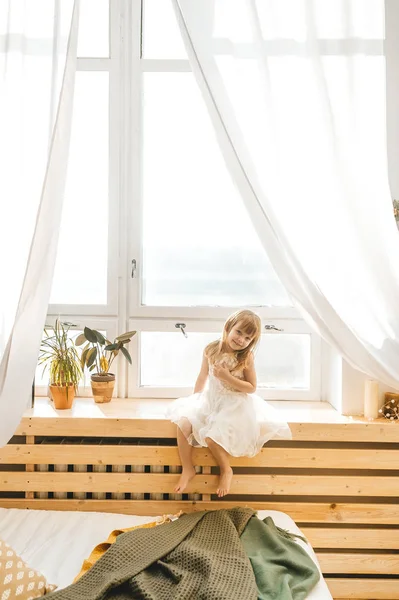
[338, 478]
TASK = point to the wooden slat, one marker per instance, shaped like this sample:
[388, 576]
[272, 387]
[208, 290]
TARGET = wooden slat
[370, 539]
[363, 589]
[301, 512]
[383, 431]
[315, 458]
[206, 471]
[359, 564]
[30, 439]
[297, 485]
[378, 432]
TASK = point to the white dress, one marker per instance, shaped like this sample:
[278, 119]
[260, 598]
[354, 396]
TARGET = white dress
[241, 423]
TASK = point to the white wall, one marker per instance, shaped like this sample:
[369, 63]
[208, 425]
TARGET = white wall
[392, 89]
[331, 376]
[353, 390]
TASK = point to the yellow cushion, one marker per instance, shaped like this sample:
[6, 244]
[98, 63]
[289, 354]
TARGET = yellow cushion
[17, 579]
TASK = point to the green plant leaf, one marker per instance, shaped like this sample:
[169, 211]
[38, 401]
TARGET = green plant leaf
[125, 336]
[59, 356]
[83, 358]
[111, 347]
[81, 339]
[91, 357]
[90, 335]
[126, 354]
[100, 337]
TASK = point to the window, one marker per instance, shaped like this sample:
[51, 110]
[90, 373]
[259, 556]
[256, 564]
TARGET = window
[154, 232]
[86, 271]
[166, 363]
[80, 276]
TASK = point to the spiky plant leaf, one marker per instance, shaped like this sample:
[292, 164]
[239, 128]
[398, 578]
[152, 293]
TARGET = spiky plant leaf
[59, 356]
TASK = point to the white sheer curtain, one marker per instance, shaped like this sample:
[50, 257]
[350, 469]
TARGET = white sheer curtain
[296, 92]
[37, 65]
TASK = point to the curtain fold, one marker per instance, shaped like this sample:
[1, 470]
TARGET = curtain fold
[38, 43]
[296, 92]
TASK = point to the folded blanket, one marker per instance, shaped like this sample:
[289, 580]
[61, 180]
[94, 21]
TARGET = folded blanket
[199, 556]
[283, 570]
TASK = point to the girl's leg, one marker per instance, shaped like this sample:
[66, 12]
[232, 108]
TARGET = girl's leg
[185, 450]
[226, 472]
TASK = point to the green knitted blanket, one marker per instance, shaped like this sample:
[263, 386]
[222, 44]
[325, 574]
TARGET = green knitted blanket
[283, 570]
[198, 557]
[218, 555]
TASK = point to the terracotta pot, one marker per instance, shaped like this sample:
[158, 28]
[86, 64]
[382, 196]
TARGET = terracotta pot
[63, 396]
[102, 387]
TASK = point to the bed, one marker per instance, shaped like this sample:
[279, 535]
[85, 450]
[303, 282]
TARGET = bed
[56, 542]
[123, 460]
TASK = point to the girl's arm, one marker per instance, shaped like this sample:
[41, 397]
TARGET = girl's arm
[203, 375]
[248, 385]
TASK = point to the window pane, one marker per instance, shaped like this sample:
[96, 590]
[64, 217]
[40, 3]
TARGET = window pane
[200, 247]
[287, 19]
[350, 19]
[282, 19]
[81, 268]
[171, 360]
[283, 361]
[93, 40]
[161, 33]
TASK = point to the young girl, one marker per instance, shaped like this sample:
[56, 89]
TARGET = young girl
[226, 417]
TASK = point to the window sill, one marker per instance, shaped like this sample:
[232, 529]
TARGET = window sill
[155, 408]
[309, 421]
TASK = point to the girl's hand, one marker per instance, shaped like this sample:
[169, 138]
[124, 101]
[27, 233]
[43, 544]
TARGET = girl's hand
[221, 372]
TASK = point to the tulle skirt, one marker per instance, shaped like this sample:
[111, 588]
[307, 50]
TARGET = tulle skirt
[240, 423]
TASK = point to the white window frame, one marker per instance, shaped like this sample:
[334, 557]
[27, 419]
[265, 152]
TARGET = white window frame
[142, 317]
[216, 326]
[110, 65]
[123, 310]
[139, 66]
[125, 68]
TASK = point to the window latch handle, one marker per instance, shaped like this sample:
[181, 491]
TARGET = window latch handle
[181, 326]
[272, 328]
[134, 267]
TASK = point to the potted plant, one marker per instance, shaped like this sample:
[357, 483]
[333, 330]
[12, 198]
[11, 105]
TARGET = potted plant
[396, 211]
[98, 354]
[59, 355]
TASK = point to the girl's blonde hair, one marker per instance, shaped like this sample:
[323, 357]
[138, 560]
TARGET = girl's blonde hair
[251, 325]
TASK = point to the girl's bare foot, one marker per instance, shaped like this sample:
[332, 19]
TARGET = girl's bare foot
[224, 482]
[185, 478]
